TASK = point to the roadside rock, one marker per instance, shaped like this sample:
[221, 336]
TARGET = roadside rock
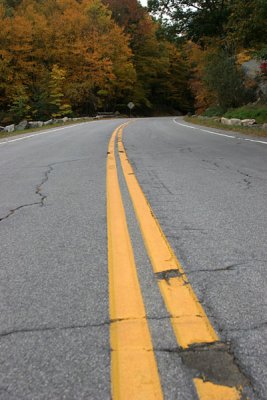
[21, 126]
[248, 122]
[235, 121]
[225, 121]
[65, 119]
[35, 124]
[49, 122]
[264, 126]
[2, 128]
[238, 122]
[9, 128]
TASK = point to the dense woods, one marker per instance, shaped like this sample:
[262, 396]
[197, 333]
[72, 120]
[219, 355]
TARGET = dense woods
[61, 58]
[77, 57]
[225, 42]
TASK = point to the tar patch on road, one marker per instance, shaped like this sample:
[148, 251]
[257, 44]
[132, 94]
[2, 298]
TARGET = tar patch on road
[214, 363]
[167, 275]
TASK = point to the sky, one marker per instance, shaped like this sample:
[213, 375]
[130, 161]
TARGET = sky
[144, 2]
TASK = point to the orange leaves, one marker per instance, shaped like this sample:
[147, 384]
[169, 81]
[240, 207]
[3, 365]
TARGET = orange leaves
[197, 58]
[78, 36]
[109, 56]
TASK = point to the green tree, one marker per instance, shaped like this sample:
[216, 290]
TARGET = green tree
[247, 24]
[177, 92]
[194, 20]
[20, 107]
[226, 80]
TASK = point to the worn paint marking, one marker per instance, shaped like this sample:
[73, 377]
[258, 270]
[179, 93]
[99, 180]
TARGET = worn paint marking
[210, 391]
[189, 320]
[134, 371]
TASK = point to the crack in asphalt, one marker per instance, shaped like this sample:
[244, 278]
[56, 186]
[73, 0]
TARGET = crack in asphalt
[215, 164]
[78, 326]
[247, 178]
[175, 273]
[185, 149]
[156, 179]
[52, 328]
[167, 275]
[14, 210]
[38, 191]
[214, 362]
[230, 267]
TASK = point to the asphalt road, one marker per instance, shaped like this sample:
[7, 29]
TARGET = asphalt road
[209, 193]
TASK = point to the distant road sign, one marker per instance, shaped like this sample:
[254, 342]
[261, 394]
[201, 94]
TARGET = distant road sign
[131, 105]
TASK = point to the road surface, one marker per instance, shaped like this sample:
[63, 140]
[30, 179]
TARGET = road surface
[90, 305]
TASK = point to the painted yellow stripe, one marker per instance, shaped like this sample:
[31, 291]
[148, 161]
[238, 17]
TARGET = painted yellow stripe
[210, 391]
[134, 371]
[190, 323]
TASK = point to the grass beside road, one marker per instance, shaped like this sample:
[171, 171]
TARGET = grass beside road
[4, 135]
[259, 113]
[215, 124]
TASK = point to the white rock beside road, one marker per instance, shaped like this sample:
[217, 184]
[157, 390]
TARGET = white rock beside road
[35, 124]
[238, 122]
[248, 122]
[22, 125]
[9, 128]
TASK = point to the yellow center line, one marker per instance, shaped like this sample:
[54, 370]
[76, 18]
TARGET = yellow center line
[210, 391]
[189, 320]
[190, 323]
[134, 371]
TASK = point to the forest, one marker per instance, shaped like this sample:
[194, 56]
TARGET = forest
[225, 45]
[78, 57]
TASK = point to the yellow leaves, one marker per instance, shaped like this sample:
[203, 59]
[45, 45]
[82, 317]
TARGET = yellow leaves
[2, 11]
[60, 106]
[75, 42]
[243, 57]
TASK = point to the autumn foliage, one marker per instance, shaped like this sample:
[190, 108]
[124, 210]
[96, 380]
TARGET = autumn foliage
[218, 38]
[75, 57]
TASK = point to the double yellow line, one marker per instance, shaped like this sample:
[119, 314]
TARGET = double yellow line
[134, 370]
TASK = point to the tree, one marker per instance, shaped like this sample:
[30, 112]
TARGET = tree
[172, 88]
[83, 55]
[20, 107]
[59, 105]
[193, 20]
[226, 80]
[247, 26]
[78, 36]
[204, 96]
[159, 77]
